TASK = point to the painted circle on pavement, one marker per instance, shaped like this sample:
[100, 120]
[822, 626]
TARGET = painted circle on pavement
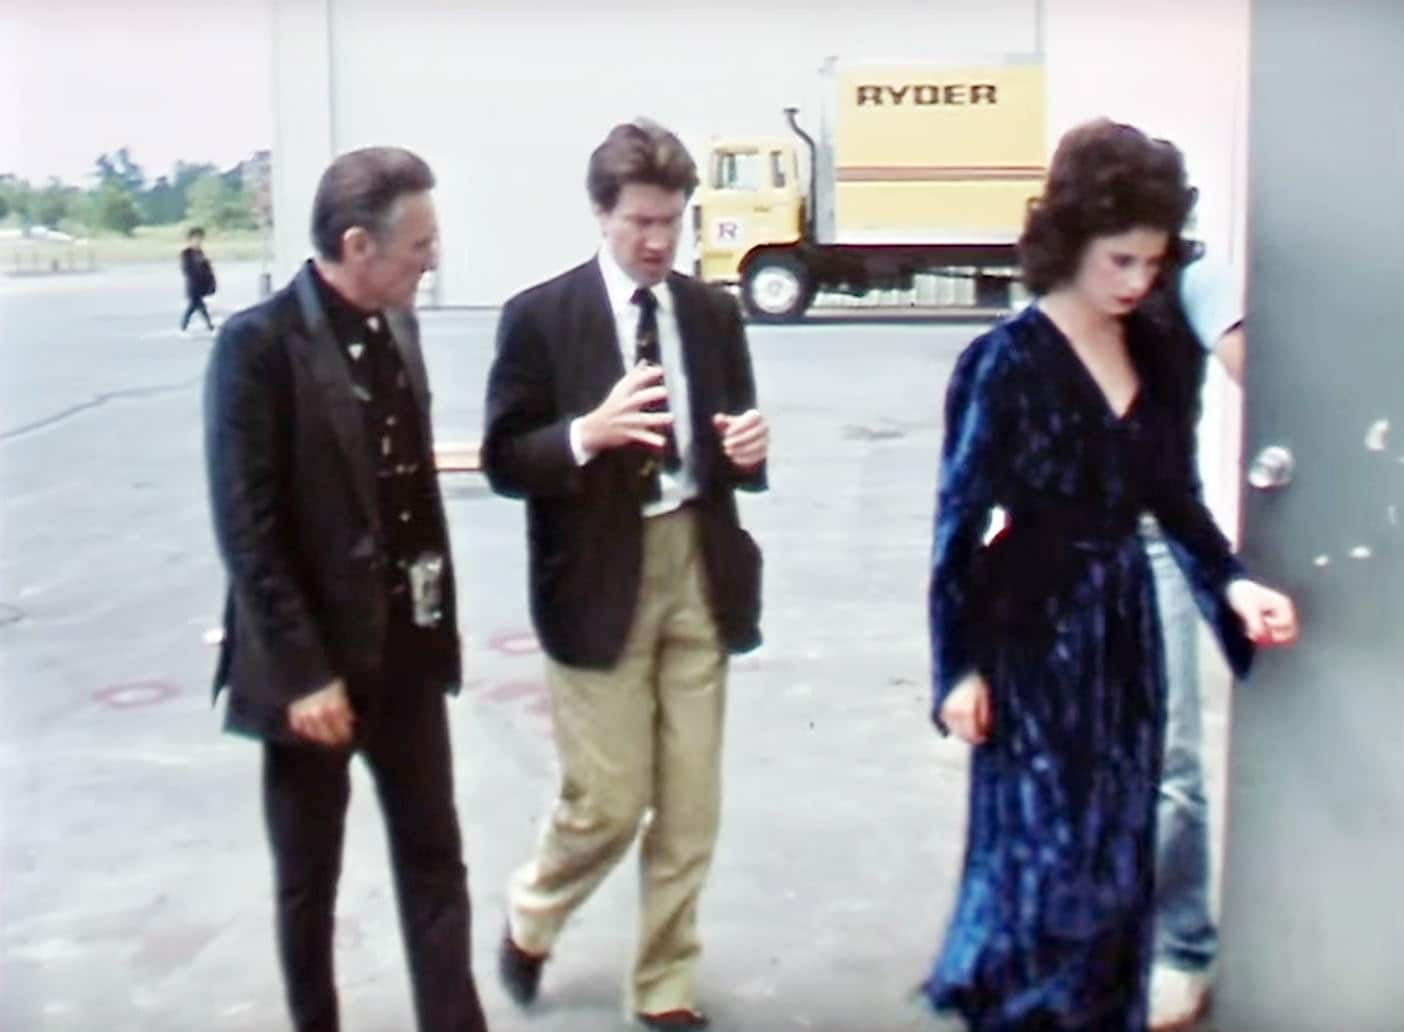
[514, 643]
[135, 694]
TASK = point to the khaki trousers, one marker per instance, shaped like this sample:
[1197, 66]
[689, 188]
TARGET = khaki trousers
[639, 744]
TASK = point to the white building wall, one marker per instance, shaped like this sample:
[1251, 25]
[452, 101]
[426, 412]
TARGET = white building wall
[303, 128]
[1177, 70]
[506, 99]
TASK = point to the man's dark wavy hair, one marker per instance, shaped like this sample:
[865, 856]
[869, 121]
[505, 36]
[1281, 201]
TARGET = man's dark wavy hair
[1106, 178]
[641, 151]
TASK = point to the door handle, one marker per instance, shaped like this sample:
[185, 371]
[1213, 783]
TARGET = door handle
[1272, 468]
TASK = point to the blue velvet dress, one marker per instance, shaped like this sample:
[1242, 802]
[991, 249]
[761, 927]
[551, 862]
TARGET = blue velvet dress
[1051, 926]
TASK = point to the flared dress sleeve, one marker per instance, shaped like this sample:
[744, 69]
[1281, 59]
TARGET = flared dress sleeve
[974, 461]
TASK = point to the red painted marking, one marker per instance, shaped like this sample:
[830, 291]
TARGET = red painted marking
[509, 690]
[136, 694]
[514, 643]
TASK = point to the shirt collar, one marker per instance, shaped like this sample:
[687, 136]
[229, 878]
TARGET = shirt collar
[342, 314]
[620, 287]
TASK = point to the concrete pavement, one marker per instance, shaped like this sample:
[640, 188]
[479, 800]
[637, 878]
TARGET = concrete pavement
[134, 878]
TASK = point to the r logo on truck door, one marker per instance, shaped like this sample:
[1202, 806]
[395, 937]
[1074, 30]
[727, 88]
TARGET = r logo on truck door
[726, 231]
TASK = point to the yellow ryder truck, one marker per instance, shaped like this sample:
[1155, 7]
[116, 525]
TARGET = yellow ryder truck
[915, 168]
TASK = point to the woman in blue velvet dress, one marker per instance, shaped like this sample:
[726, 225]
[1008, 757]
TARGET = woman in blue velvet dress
[1074, 418]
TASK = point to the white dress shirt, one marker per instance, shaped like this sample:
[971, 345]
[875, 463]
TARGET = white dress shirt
[680, 486]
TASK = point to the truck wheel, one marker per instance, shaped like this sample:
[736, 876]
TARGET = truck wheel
[777, 288]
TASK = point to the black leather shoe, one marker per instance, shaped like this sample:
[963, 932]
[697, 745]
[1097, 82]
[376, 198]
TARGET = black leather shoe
[520, 971]
[675, 1021]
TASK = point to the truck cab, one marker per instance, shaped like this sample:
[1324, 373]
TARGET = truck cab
[916, 171]
[751, 198]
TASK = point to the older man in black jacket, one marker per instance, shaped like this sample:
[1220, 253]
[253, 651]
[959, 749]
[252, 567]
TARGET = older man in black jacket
[340, 630]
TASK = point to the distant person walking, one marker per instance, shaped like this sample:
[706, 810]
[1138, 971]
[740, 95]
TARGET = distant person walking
[199, 278]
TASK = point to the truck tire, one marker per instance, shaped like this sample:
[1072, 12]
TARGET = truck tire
[777, 287]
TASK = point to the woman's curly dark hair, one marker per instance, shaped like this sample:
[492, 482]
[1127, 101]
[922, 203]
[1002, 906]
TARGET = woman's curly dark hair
[1106, 178]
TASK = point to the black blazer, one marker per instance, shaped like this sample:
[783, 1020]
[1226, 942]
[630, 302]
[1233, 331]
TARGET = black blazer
[293, 495]
[557, 357]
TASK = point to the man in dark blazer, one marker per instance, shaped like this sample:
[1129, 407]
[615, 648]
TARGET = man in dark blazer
[340, 626]
[621, 406]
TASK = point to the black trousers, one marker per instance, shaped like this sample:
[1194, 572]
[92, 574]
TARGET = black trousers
[402, 733]
[197, 304]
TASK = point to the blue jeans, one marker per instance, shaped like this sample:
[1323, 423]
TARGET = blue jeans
[1185, 936]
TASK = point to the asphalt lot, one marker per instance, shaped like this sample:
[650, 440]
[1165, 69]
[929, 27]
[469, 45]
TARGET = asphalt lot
[134, 878]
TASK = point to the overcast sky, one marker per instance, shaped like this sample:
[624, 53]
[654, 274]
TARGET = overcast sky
[172, 79]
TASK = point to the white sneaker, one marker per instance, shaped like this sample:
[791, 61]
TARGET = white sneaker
[1178, 998]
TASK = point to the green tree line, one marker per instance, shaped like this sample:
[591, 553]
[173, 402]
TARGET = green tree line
[122, 198]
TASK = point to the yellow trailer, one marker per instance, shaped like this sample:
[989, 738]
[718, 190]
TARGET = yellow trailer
[914, 168]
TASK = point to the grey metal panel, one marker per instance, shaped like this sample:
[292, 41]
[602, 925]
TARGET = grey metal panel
[1313, 921]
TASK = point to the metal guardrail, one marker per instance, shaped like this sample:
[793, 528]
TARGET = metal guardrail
[951, 290]
[38, 257]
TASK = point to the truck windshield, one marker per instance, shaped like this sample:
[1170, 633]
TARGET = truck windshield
[732, 171]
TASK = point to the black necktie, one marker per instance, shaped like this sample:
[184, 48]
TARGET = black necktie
[646, 350]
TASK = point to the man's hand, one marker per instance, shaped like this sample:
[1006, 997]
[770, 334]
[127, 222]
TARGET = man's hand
[745, 438]
[966, 710]
[325, 716]
[621, 420]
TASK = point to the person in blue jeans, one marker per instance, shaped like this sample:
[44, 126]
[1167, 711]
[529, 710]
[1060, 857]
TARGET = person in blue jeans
[1186, 939]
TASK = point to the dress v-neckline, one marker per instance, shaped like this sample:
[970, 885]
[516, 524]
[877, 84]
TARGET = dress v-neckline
[1066, 346]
